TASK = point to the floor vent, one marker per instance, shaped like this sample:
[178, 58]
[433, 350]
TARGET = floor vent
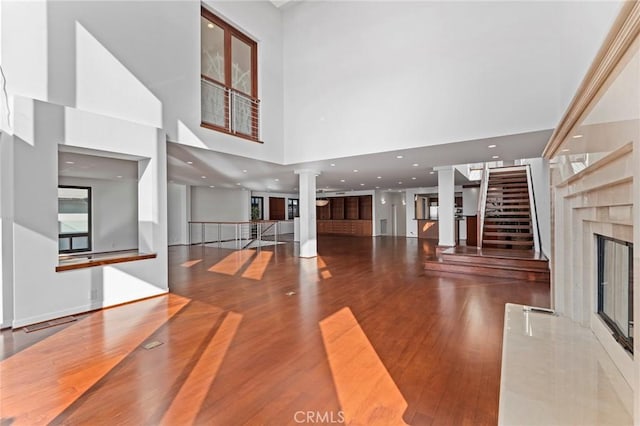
[152, 345]
[47, 324]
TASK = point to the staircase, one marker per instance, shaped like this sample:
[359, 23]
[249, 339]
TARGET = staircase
[507, 214]
[510, 245]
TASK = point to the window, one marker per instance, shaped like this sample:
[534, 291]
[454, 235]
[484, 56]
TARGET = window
[615, 288]
[229, 79]
[256, 208]
[292, 208]
[74, 219]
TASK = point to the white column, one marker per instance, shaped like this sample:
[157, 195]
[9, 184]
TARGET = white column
[446, 207]
[308, 242]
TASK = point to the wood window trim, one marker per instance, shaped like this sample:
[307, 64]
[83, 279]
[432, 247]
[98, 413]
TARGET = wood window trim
[229, 31]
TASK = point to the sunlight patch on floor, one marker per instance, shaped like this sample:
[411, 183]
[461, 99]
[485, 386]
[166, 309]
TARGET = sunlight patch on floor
[186, 405]
[258, 266]
[55, 373]
[231, 264]
[367, 393]
[190, 263]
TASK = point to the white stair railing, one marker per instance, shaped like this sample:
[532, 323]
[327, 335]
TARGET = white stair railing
[482, 202]
[533, 212]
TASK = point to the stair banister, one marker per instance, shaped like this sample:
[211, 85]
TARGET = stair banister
[482, 196]
[534, 213]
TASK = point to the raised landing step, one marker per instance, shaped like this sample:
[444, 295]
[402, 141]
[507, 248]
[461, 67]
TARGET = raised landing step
[503, 263]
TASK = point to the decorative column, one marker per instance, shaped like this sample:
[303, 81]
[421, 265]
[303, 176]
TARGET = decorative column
[307, 189]
[446, 207]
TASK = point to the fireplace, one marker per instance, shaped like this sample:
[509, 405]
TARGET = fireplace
[615, 288]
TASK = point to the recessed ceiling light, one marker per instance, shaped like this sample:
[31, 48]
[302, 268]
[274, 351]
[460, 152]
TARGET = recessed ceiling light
[399, 156]
[576, 136]
[333, 165]
[210, 25]
[355, 170]
[70, 162]
[379, 177]
[431, 173]
[413, 178]
[203, 177]
[495, 157]
[565, 150]
[399, 183]
[244, 171]
[189, 162]
[238, 183]
[377, 187]
[492, 146]
[211, 186]
[277, 180]
[119, 177]
[341, 180]
[362, 184]
[415, 164]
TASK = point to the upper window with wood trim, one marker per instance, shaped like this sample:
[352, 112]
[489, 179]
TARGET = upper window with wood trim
[229, 78]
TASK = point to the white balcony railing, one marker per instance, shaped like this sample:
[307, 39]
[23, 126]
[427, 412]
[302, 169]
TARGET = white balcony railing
[229, 110]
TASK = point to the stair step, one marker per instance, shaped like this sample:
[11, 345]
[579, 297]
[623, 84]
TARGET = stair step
[509, 173]
[508, 242]
[509, 234]
[520, 186]
[500, 181]
[487, 271]
[506, 219]
[498, 261]
[509, 191]
[507, 206]
[508, 200]
[488, 226]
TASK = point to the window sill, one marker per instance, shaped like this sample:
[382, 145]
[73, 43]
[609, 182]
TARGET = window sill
[223, 130]
[79, 261]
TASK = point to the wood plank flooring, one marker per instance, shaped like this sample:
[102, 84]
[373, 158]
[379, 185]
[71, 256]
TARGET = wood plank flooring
[359, 335]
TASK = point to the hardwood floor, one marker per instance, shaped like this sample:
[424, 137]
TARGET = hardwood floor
[358, 335]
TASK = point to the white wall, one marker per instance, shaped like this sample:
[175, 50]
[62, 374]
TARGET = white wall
[384, 211]
[218, 205]
[114, 212]
[470, 201]
[178, 213]
[40, 293]
[452, 75]
[6, 230]
[144, 69]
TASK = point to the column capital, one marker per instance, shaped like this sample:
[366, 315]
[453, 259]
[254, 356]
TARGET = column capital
[315, 172]
[441, 168]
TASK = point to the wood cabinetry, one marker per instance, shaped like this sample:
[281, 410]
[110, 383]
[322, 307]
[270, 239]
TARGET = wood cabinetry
[358, 228]
[346, 216]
